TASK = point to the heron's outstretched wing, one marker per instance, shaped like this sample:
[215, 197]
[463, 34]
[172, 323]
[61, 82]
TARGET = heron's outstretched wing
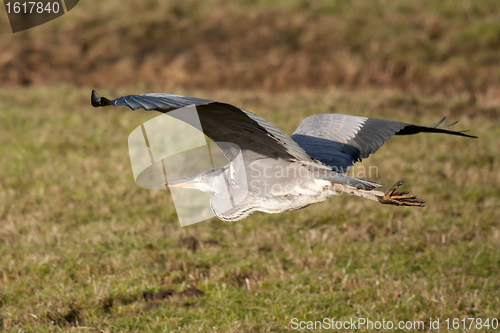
[256, 137]
[340, 140]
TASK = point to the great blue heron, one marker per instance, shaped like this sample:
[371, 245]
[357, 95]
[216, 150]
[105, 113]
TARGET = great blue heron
[282, 172]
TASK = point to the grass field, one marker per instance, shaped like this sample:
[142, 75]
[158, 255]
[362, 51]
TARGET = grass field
[82, 248]
[80, 243]
[422, 46]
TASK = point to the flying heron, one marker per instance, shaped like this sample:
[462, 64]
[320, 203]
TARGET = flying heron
[279, 172]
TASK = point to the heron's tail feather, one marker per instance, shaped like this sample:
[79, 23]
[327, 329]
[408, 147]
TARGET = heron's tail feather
[354, 182]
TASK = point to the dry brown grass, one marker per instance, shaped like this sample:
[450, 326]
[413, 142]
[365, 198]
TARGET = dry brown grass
[424, 46]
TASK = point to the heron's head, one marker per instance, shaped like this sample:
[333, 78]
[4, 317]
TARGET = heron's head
[211, 180]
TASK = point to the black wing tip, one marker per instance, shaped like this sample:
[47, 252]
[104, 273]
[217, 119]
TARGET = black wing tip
[439, 123]
[414, 129]
[98, 101]
[467, 135]
[461, 133]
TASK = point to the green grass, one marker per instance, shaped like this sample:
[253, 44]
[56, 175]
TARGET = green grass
[80, 243]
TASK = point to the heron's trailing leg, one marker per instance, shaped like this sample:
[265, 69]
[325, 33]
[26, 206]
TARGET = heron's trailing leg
[402, 198]
[391, 197]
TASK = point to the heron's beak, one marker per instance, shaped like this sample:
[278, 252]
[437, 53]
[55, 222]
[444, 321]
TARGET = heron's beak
[184, 182]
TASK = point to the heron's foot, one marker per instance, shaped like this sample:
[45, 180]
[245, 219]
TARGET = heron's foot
[402, 198]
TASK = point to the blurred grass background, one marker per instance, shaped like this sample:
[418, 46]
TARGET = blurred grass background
[83, 248]
[424, 46]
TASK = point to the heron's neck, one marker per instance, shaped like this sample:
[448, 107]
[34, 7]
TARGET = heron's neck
[228, 194]
[226, 212]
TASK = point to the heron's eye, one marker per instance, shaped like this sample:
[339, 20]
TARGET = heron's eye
[202, 178]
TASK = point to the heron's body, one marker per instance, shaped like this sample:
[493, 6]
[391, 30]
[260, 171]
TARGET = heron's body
[272, 172]
[271, 204]
[270, 194]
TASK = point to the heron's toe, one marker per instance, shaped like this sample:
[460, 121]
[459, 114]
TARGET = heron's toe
[402, 198]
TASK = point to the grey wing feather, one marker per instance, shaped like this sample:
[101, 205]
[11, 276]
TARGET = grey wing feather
[341, 140]
[221, 122]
